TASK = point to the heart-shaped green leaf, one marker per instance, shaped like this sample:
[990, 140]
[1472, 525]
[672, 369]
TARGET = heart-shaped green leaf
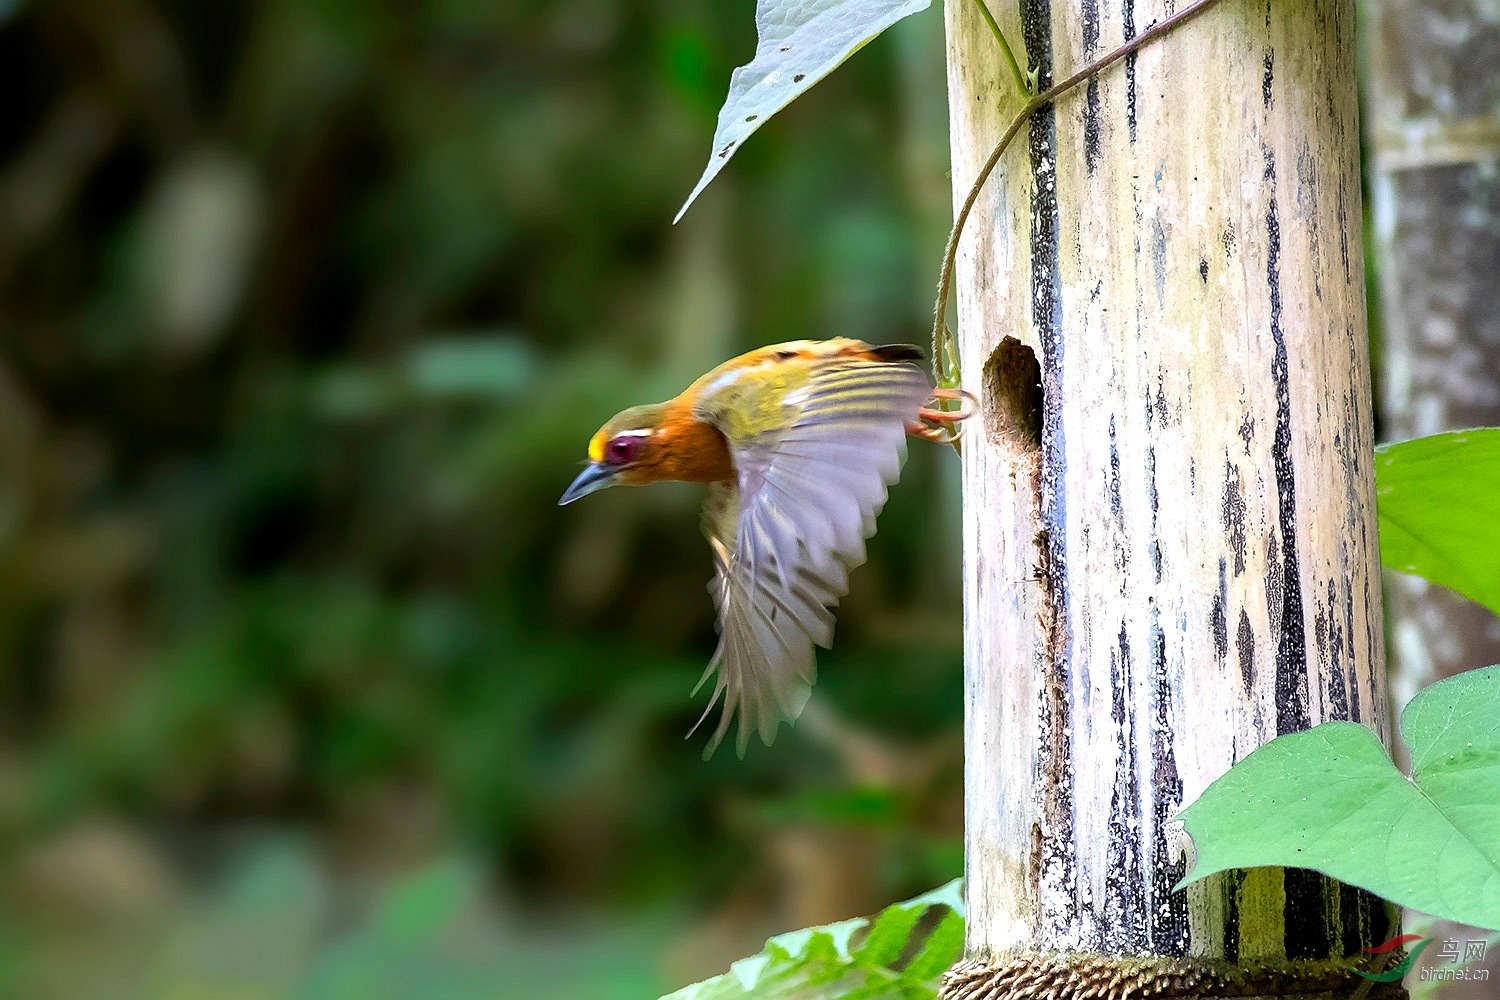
[1330, 799]
[1439, 505]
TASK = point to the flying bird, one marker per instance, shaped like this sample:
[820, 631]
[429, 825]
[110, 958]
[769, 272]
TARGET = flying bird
[798, 443]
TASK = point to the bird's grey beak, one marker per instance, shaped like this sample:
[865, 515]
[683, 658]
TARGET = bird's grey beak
[595, 476]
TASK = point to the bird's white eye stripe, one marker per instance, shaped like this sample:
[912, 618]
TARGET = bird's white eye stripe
[724, 381]
[638, 433]
[732, 376]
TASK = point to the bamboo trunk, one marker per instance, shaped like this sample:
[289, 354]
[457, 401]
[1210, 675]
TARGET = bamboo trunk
[1169, 510]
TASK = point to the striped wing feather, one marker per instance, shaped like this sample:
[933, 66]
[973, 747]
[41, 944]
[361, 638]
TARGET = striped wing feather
[787, 533]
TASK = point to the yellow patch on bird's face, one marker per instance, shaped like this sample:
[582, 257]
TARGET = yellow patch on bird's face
[596, 447]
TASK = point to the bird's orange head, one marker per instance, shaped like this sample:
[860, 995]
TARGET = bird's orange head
[646, 444]
[623, 451]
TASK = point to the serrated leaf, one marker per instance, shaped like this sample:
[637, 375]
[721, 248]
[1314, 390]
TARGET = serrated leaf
[1330, 799]
[892, 928]
[821, 963]
[888, 935]
[747, 971]
[1439, 504]
[939, 951]
[792, 944]
[841, 933]
[950, 895]
[798, 43]
[708, 989]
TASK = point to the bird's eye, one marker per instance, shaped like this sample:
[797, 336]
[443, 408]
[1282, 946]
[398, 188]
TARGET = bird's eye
[622, 450]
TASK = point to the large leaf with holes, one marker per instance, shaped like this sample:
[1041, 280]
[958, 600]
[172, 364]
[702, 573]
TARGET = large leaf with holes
[1439, 503]
[851, 959]
[798, 42]
[1330, 799]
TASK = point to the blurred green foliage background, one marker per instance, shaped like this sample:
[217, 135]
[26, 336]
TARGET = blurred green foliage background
[307, 311]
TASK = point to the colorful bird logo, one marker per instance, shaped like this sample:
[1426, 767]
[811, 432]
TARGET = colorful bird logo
[1391, 975]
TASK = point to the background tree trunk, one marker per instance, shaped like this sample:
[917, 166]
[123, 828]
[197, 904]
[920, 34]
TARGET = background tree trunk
[1433, 135]
[1169, 510]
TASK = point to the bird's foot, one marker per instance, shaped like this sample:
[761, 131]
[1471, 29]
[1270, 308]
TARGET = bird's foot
[939, 425]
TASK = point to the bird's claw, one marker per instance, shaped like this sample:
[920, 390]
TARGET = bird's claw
[940, 426]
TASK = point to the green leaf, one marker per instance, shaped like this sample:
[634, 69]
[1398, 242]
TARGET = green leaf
[822, 962]
[889, 934]
[950, 895]
[798, 42]
[747, 971]
[841, 933]
[1330, 799]
[1439, 505]
[939, 951]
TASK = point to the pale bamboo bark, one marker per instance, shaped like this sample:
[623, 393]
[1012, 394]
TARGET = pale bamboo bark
[1170, 546]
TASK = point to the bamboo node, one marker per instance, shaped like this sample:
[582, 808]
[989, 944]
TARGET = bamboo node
[1074, 976]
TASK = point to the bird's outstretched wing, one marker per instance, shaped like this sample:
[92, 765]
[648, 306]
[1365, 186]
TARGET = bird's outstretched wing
[815, 442]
